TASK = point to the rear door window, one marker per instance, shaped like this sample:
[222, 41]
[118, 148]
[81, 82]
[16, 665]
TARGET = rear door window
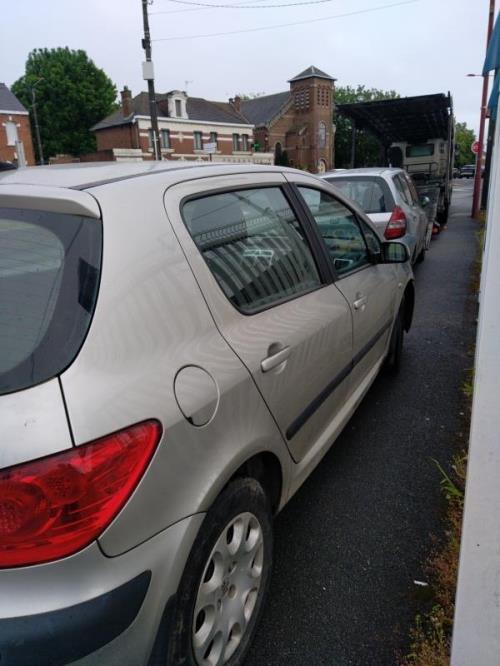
[254, 246]
[403, 190]
[49, 275]
[413, 189]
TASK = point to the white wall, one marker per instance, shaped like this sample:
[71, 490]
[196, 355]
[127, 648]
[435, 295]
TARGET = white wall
[476, 634]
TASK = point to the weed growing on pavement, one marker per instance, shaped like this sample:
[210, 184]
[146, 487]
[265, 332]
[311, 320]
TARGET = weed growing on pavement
[431, 635]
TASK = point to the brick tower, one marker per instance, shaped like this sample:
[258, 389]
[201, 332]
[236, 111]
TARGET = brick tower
[310, 143]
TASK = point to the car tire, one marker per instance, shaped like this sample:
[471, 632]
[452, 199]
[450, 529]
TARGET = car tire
[232, 552]
[421, 256]
[393, 359]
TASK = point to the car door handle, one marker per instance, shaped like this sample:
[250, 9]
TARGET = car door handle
[276, 359]
[359, 303]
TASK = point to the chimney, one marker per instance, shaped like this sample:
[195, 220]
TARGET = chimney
[236, 103]
[126, 102]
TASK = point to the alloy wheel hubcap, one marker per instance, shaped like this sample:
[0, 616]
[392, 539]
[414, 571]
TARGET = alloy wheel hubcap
[228, 591]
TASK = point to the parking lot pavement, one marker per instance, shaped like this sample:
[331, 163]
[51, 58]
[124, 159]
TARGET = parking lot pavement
[351, 542]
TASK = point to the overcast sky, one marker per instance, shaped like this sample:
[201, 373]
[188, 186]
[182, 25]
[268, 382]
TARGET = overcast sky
[422, 46]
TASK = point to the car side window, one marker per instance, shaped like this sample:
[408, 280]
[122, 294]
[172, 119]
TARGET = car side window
[413, 190]
[254, 246]
[406, 190]
[372, 240]
[399, 186]
[339, 228]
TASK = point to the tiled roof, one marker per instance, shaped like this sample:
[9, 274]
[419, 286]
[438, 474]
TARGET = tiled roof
[219, 112]
[312, 72]
[197, 109]
[261, 110]
[9, 102]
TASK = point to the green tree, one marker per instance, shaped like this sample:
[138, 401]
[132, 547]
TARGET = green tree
[368, 150]
[464, 138]
[72, 95]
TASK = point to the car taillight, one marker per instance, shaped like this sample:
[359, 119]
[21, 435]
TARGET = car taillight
[396, 226]
[55, 506]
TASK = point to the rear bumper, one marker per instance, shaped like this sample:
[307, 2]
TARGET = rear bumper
[90, 609]
[63, 636]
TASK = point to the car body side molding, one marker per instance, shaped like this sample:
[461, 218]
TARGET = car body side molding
[315, 404]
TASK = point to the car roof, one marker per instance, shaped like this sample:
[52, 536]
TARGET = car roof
[86, 175]
[365, 171]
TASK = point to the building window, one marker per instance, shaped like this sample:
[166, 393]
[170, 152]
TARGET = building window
[213, 139]
[198, 140]
[302, 99]
[151, 139]
[244, 142]
[165, 138]
[11, 130]
[236, 142]
[322, 135]
[178, 108]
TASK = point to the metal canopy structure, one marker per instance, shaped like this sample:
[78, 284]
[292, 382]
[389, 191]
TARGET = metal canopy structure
[412, 119]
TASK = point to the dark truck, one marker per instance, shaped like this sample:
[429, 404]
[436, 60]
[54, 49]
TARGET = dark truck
[416, 134]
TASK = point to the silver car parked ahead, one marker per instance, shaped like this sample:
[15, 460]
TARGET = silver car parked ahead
[179, 347]
[389, 197]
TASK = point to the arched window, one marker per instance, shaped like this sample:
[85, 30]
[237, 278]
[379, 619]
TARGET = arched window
[322, 135]
[277, 153]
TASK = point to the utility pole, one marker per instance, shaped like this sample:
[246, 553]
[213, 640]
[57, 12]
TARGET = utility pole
[148, 75]
[35, 118]
[484, 101]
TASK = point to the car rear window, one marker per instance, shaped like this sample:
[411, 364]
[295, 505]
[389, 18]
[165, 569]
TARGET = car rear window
[368, 193]
[49, 276]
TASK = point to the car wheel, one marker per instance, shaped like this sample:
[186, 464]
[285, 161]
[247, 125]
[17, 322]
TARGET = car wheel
[393, 360]
[421, 256]
[226, 579]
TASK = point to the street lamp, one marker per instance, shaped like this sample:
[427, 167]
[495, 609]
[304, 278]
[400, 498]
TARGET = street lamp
[482, 121]
[35, 117]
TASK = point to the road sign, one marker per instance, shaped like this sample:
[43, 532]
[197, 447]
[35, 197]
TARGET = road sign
[210, 148]
[475, 147]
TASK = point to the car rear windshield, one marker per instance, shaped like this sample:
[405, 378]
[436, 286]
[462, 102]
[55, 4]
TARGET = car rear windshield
[422, 150]
[368, 193]
[49, 276]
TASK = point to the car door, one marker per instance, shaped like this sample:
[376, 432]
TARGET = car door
[265, 278]
[369, 288]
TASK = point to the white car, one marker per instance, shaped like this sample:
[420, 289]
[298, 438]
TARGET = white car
[180, 344]
[390, 199]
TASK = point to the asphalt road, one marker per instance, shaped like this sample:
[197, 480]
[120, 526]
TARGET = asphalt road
[351, 542]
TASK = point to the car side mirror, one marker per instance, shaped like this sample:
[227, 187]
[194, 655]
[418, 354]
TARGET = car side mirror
[394, 253]
[424, 201]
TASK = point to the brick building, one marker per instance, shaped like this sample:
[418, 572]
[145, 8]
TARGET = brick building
[15, 130]
[185, 124]
[298, 121]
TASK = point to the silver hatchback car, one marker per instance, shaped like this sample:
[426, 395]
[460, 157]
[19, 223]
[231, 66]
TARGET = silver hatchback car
[390, 199]
[179, 347]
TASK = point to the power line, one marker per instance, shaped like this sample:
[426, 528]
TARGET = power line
[193, 9]
[287, 4]
[287, 25]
